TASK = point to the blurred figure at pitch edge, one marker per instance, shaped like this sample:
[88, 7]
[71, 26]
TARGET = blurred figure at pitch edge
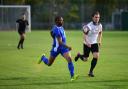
[91, 42]
[21, 26]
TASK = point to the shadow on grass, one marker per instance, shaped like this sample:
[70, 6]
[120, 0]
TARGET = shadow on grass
[14, 78]
[31, 81]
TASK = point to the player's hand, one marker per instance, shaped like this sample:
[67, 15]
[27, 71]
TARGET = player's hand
[70, 48]
[99, 44]
[89, 45]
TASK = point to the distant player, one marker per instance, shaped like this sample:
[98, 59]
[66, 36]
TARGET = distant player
[92, 40]
[21, 26]
[59, 47]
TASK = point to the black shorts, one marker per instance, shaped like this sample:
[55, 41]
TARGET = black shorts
[86, 49]
[21, 32]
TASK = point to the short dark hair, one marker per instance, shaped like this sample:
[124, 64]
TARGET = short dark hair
[95, 13]
[57, 18]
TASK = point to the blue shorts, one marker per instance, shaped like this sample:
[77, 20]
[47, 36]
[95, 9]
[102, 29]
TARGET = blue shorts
[61, 50]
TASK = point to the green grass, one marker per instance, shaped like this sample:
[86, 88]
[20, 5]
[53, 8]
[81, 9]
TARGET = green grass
[19, 68]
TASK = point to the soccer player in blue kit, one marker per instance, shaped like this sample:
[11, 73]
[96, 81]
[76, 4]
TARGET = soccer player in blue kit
[59, 47]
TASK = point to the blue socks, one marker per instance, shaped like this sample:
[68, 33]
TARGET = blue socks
[44, 59]
[71, 68]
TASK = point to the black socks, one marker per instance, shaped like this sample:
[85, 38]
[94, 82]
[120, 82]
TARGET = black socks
[93, 64]
[20, 43]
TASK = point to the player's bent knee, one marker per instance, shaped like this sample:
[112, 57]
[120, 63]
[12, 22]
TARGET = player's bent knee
[96, 55]
[85, 59]
[68, 59]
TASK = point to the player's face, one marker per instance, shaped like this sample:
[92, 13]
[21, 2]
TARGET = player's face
[59, 22]
[96, 18]
[23, 17]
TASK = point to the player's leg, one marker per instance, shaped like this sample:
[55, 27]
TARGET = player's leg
[85, 55]
[51, 59]
[78, 56]
[47, 61]
[95, 52]
[19, 43]
[67, 56]
[22, 39]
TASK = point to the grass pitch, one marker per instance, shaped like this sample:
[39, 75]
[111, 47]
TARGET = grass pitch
[19, 68]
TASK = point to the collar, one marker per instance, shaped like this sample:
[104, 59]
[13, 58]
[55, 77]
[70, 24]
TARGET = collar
[94, 23]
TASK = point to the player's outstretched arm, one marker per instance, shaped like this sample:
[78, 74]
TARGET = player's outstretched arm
[61, 43]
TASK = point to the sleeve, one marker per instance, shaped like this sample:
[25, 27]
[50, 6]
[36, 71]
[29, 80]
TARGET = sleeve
[17, 21]
[85, 29]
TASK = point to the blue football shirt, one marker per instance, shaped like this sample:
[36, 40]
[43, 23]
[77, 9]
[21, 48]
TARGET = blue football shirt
[58, 32]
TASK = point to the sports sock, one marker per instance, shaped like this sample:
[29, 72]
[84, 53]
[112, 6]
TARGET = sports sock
[45, 60]
[93, 64]
[20, 41]
[71, 68]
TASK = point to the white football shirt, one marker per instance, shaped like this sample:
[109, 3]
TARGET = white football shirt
[92, 31]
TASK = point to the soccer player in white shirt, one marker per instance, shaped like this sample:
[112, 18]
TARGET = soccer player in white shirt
[92, 40]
